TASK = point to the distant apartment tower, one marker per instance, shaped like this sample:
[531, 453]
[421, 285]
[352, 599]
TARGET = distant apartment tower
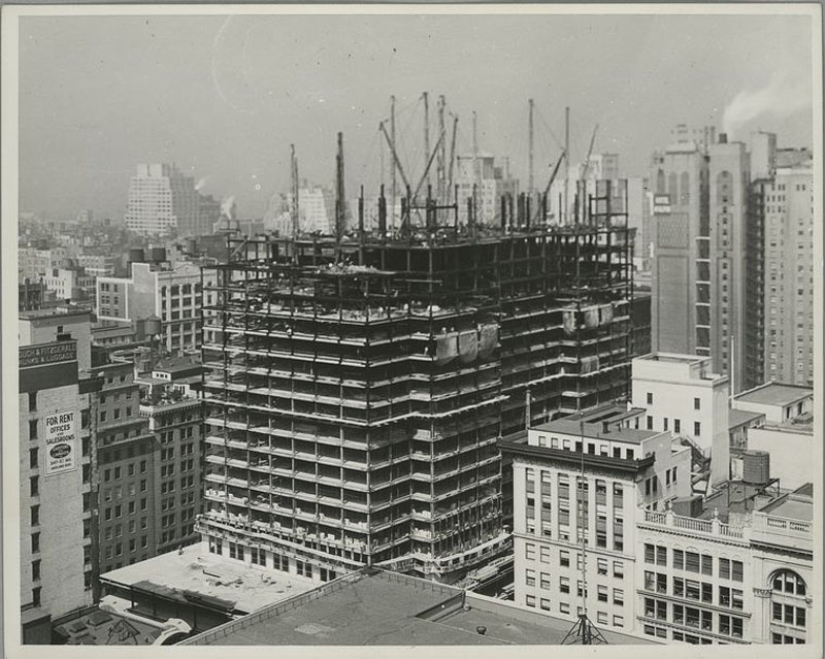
[73, 284]
[175, 420]
[98, 265]
[491, 183]
[163, 200]
[57, 521]
[156, 290]
[788, 298]
[700, 242]
[126, 485]
[581, 486]
[316, 211]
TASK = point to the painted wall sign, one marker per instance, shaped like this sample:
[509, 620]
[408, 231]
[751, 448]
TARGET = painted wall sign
[53, 353]
[61, 442]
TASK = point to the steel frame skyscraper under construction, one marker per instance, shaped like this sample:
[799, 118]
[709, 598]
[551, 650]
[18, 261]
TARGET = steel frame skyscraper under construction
[357, 384]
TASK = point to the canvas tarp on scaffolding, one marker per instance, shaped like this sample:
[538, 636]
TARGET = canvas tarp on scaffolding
[569, 321]
[446, 348]
[606, 313]
[589, 365]
[488, 340]
[468, 346]
[591, 317]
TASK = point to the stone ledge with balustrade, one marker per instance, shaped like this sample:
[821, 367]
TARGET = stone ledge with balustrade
[761, 527]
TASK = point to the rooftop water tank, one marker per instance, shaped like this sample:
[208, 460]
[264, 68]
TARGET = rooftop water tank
[756, 468]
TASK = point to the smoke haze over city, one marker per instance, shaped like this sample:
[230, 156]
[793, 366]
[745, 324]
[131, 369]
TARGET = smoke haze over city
[223, 97]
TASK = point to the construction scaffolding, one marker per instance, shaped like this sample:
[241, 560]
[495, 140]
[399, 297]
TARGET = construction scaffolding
[356, 387]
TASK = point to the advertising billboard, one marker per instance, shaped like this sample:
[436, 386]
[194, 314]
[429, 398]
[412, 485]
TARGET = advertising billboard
[61, 442]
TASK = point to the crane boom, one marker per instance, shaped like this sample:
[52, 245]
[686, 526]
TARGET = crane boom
[394, 155]
[429, 164]
[563, 156]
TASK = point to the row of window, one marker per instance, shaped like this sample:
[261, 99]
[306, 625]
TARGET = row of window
[545, 556]
[694, 562]
[727, 625]
[602, 617]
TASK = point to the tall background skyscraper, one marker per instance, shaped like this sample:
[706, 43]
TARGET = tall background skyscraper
[163, 200]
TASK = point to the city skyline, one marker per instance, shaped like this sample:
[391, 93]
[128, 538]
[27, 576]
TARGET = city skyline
[229, 112]
[298, 366]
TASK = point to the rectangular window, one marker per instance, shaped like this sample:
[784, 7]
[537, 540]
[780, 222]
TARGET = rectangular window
[602, 593]
[564, 558]
[661, 555]
[545, 581]
[530, 600]
[737, 570]
[650, 554]
[545, 604]
[564, 585]
[530, 551]
[530, 577]
[692, 562]
[696, 404]
[677, 426]
[544, 553]
[724, 568]
[618, 569]
[697, 429]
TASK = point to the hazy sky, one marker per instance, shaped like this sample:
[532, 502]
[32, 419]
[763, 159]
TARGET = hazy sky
[225, 97]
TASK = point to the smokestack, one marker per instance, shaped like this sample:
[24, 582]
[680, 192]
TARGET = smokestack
[527, 211]
[361, 213]
[430, 211]
[382, 213]
[503, 213]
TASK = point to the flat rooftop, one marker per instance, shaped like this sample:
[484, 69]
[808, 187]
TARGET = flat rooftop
[52, 311]
[108, 628]
[387, 609]
[195, 570]
[671, 358]
[738, 418]
[592, 425]
[797, 505]
[774, 393]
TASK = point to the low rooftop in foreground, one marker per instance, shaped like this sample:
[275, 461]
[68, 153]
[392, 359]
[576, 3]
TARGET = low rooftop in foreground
[101, 627]
[375, 607]
[195, 570]
[737, 418]
[601, 423]
[797, 505]
[774, 393]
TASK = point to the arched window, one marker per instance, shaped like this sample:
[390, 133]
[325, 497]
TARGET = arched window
[789, 583]
[724, 188]
[684, 188]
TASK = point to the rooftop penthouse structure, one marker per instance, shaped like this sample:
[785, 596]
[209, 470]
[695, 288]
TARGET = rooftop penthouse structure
[357, 383]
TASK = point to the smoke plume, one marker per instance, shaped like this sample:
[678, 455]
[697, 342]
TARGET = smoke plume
[228, 207]
[201, 182]
[783, 96]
